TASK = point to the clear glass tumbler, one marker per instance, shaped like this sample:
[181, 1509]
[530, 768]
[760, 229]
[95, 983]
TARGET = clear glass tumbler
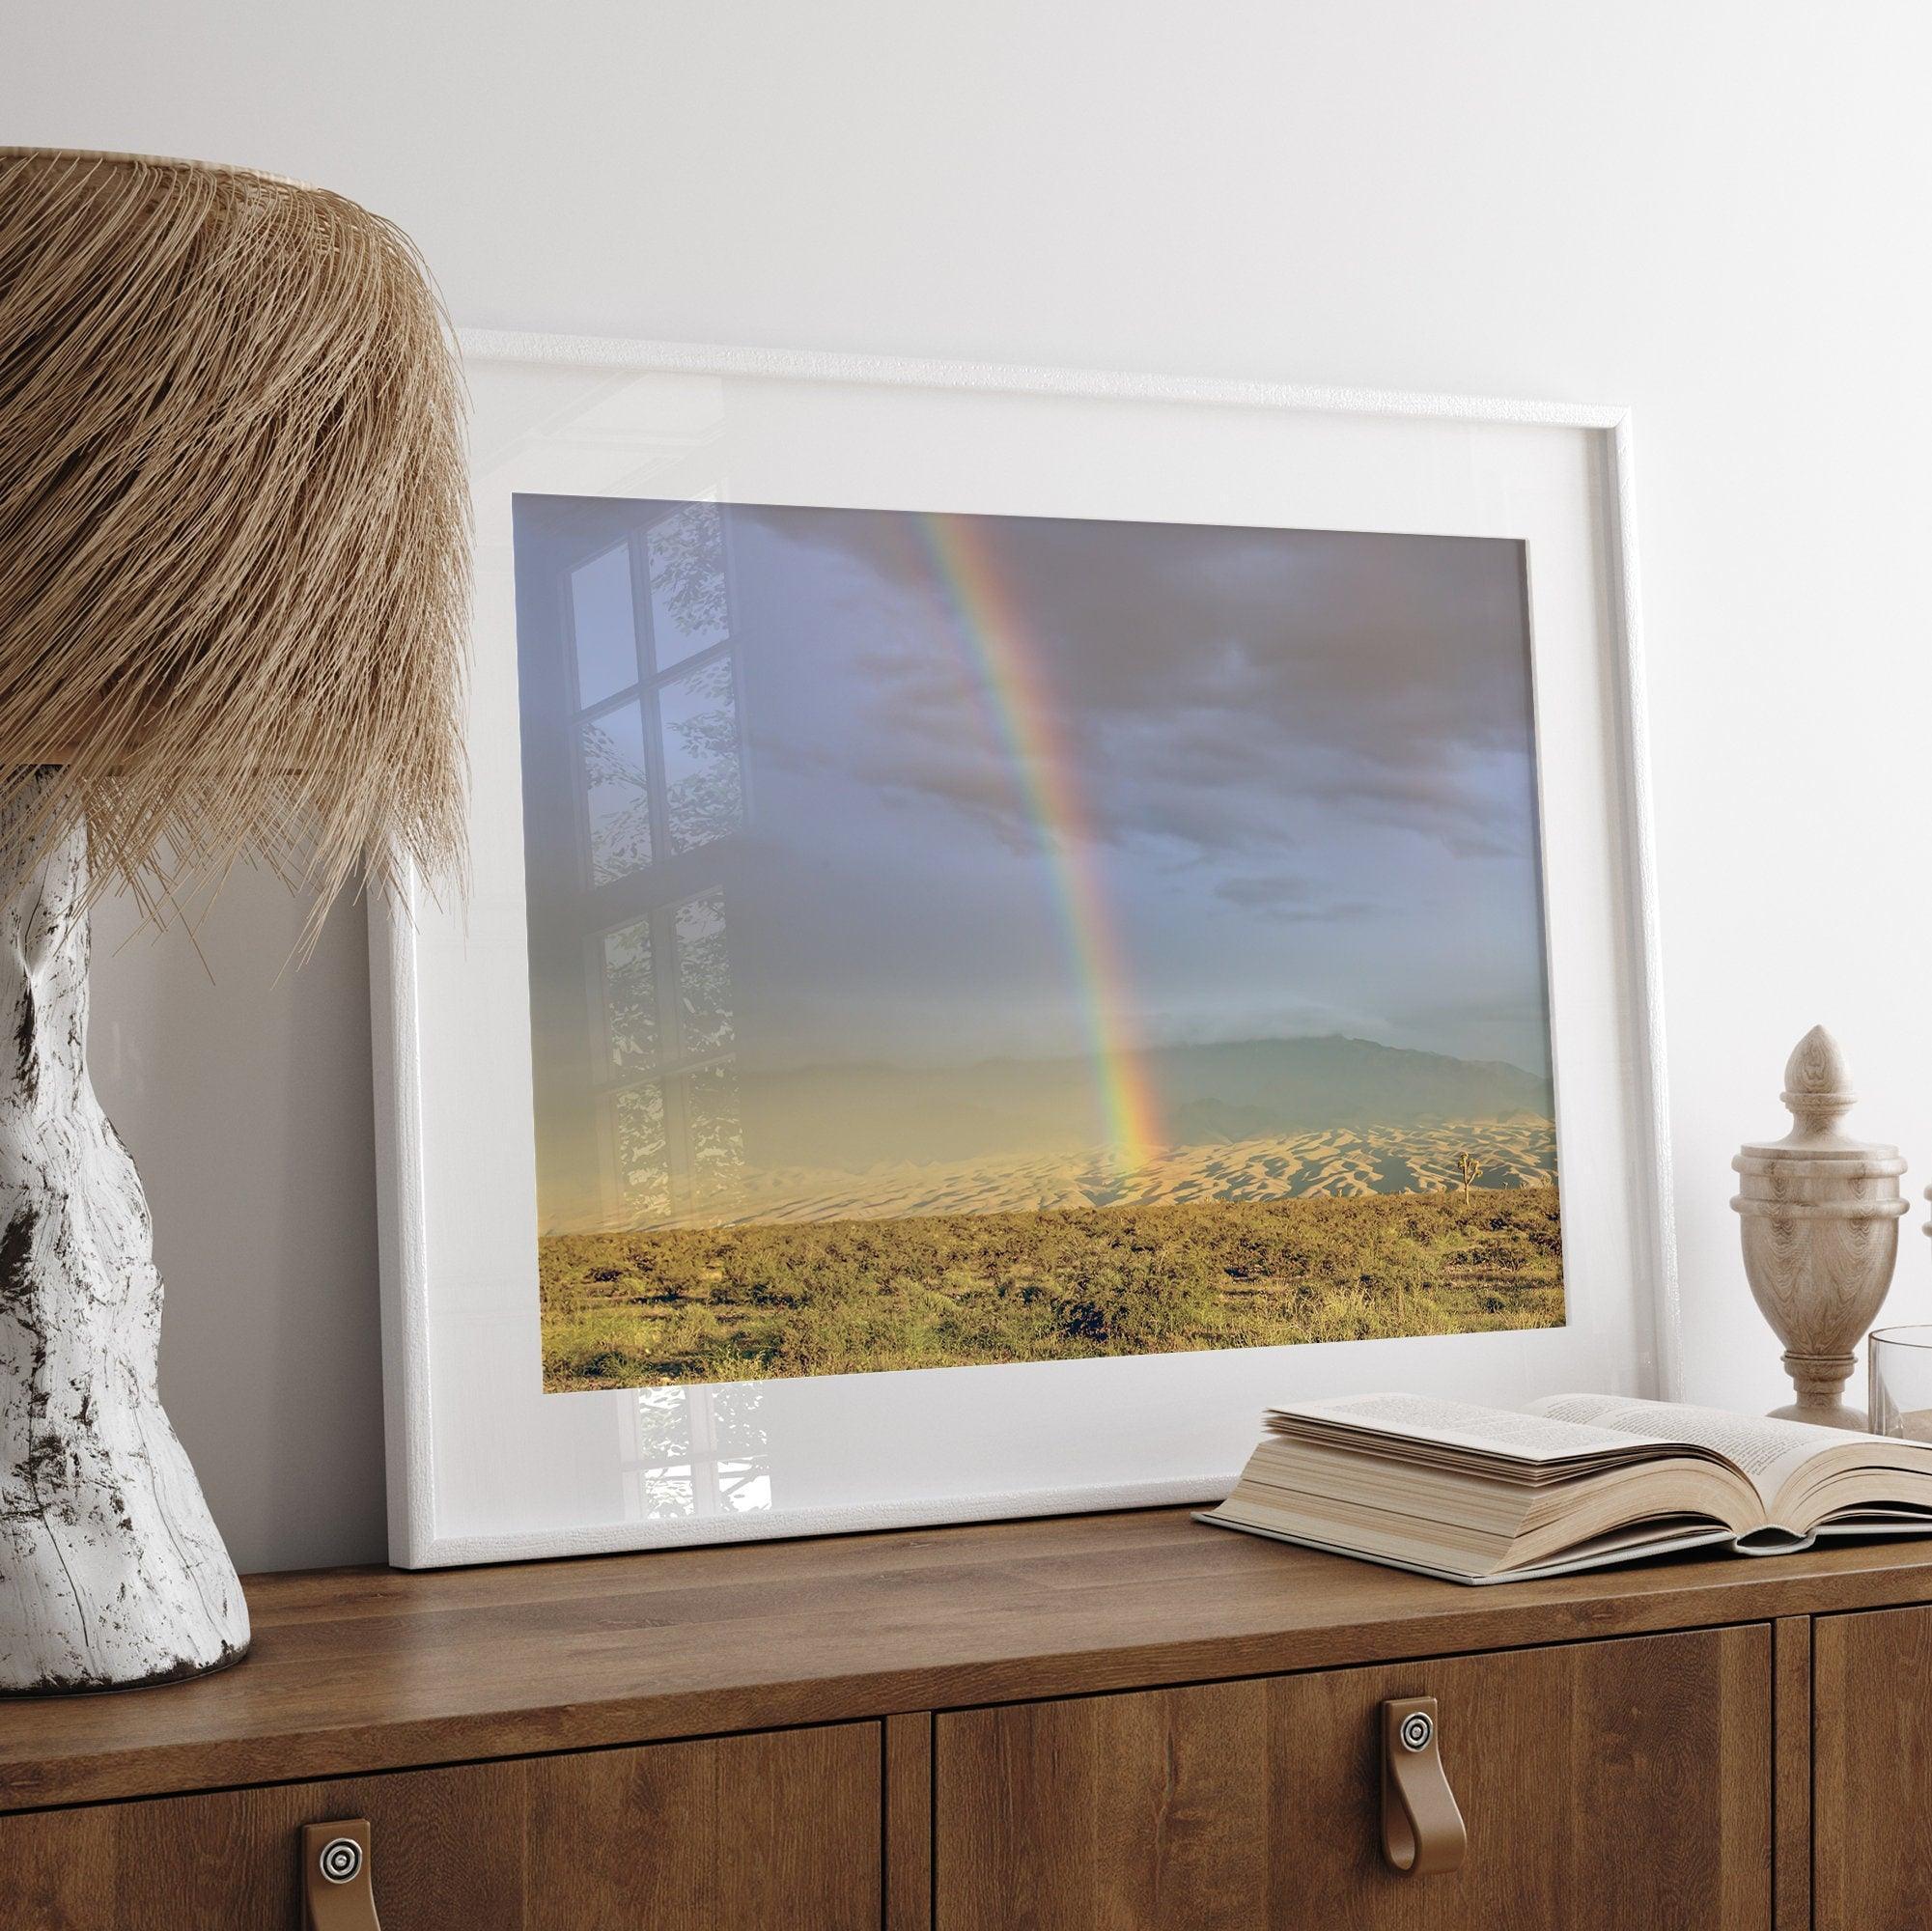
[1901, 1381]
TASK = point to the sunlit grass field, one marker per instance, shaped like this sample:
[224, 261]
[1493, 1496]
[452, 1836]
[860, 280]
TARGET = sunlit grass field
[950, 1290]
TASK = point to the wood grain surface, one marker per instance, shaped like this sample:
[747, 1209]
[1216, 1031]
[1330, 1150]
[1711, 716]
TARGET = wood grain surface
[757, 1834]
[1872, 1772]
[1791, 1788]
[375, 1669]
[1614, 1786]
[909, 1822]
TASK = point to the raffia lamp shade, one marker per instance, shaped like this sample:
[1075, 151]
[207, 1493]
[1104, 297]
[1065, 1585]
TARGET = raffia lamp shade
[233, 512]
[232, 606]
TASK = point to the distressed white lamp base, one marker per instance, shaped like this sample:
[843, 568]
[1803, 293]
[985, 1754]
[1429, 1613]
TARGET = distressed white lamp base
[111, 1571]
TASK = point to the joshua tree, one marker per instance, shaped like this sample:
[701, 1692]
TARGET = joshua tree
[1468, 1169]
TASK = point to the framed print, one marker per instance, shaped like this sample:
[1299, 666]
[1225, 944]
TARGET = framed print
[1017, 917]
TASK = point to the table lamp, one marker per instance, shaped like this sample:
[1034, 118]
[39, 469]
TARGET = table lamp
[233, 582]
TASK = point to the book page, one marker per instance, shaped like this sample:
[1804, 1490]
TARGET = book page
[1496, 1431]
[1639, 1546]
[1765, 1451]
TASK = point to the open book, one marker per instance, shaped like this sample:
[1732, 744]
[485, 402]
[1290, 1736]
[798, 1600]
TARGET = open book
[1490, 1495]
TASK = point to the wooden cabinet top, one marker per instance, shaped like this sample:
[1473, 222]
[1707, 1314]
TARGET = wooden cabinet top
[364, 1669]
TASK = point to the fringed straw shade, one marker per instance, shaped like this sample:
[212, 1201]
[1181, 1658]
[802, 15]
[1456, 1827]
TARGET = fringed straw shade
[233, 568]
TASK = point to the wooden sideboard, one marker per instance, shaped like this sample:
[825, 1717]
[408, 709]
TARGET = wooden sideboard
[1117, 1721]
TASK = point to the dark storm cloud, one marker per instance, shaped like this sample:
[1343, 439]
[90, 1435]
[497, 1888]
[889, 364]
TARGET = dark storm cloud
[1214, 681]
[1369, 643]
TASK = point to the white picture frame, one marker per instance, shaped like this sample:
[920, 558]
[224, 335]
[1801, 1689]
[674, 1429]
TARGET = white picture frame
[483, 1465]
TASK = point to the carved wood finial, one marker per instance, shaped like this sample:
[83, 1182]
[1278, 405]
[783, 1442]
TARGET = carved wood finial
[1817, 1087]
[1820, 1214]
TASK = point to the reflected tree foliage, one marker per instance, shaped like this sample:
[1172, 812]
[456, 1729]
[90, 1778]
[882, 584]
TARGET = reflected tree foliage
[643, 1175]
[704, 788]
[702, 1451]
[617, 793]
[630, 996]
[688, 599]
[716, 1135]
[704, 976]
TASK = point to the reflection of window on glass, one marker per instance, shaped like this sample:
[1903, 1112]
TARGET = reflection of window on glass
[655, 721]
[667, 1007]
[714, 1136]
[672, 747]
[704, 976]
[630, 996]
[697, 1451]
[617, 793]
[704, 792]
[643, 1176]
[603, 626]
[688, 584]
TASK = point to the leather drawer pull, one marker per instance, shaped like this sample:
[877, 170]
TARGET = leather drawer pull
[336, 1891]
[1422, 1830]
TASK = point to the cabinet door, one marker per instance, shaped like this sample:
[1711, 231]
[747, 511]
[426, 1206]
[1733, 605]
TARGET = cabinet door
[740, 1834]
[1871, 1789]
[1624, 1786]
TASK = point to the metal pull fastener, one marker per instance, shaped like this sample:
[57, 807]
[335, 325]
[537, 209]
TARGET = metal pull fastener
[1422, 1829]
[336, 1891]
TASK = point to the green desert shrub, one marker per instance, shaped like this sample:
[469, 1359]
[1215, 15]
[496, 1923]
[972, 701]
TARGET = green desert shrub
[849, 1297]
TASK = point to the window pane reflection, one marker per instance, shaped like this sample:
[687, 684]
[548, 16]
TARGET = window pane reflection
[701, 1451]
[702, 783]
[687, 591]
[703, 977]
[603, 625]
[617, 793]
[630, 996]
[643, 1178]
[716, 1138]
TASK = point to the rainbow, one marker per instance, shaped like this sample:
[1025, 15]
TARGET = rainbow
[1005, 660]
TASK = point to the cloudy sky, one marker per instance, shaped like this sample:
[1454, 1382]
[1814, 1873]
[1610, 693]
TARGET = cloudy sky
[1304, 760]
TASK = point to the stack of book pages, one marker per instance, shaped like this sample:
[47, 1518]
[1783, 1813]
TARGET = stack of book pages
[1493, 1495]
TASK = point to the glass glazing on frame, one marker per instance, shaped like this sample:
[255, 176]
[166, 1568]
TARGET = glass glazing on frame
[960, 939]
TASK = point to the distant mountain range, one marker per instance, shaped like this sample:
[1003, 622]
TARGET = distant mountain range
[858, 1117]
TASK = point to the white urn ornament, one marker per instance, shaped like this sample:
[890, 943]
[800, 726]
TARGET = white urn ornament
[1820, 1214]
[233, 588]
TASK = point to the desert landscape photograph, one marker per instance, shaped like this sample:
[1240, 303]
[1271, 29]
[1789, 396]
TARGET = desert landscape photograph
[960, 940]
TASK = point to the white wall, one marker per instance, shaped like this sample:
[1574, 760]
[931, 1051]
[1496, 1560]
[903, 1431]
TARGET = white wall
[1714, 211]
